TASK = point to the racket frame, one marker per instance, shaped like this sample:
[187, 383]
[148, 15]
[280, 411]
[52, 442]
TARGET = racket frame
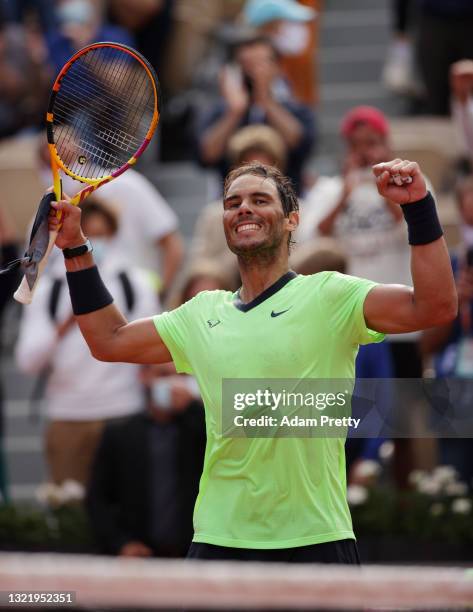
[56, 161]
[24, 294]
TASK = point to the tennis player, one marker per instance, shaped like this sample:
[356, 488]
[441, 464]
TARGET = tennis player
[271, 499]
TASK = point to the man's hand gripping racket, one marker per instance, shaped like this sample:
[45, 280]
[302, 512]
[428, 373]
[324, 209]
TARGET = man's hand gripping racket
[102, 113]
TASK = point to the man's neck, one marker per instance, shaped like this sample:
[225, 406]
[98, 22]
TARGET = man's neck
[256, 277]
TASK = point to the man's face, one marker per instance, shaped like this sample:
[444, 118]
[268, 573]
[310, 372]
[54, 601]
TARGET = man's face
[368, 145]
[253, 217]
[255, 57]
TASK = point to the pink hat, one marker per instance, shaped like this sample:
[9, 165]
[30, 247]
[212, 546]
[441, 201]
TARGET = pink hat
[364, 114]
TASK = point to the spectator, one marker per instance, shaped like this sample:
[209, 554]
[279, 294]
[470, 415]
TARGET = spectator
[147, 223]
[350, 209]
[291, 27]
[444, 37]
[398, 71]
[25, 80]
[151, 515]
[9, 252]
[14, 12]
[146, 475]
[191, 44]
[461, 82]
[149, 21]
[8, 283]
[80, 24]
[452, 344]
[252, 143]
[254, 92]
[202, 275]
[82, 394]
[323, 254]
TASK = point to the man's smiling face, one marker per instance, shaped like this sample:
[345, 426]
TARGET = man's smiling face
[253, 217]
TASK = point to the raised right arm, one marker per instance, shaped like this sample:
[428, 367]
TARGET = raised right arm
[107, 332]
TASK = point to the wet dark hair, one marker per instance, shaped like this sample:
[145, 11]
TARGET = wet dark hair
[283, 183]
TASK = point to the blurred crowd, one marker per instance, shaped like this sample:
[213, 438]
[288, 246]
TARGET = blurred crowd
[240, 83]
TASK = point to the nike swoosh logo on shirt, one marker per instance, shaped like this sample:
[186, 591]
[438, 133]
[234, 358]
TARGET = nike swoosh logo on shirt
[277, 314]
[213, 323]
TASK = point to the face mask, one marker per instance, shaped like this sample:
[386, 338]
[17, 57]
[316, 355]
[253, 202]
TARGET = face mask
[291, 38]
[75, 11]
[101, 247]
[467, 233]
[161, 394]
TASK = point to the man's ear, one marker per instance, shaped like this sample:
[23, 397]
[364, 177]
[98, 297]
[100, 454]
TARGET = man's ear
[293, 220]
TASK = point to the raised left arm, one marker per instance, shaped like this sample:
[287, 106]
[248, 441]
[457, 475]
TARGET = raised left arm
[433, 298]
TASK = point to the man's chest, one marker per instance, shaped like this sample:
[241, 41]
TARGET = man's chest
[275, 339]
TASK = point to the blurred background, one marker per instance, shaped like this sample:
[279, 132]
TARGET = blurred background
[322, 89]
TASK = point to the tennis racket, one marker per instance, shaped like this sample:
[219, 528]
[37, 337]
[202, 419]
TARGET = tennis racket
[102, 113]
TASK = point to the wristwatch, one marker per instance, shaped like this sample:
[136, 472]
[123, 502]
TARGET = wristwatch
[78, 250]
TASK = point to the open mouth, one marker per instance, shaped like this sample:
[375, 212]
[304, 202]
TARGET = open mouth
[247, 227]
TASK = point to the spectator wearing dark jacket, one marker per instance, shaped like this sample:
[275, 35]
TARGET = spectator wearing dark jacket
[254, 92]
[144, 483]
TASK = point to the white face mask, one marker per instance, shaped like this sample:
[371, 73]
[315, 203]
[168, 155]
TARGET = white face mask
[75, 11]
[467, 234]
[101, 247]
[161, 394]
[291, 38]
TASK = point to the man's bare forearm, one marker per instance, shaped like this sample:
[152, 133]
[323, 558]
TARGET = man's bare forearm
[108, 334]
[98, 327]
[396, 309]
[435, 295]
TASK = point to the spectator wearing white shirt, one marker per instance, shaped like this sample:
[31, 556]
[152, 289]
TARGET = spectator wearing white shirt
[370, 230]
[82, 394]
[349, 208]
[146, 221]
[367, 227]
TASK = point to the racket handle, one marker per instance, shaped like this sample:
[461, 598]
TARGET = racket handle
[24, 294]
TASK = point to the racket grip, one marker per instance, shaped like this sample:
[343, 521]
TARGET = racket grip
[24, 295]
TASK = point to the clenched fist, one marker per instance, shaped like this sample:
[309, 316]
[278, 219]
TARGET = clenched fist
[400, 181]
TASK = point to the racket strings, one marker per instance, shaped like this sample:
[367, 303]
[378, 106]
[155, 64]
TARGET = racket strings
[102, 112]
[106, 158]
[113, 72]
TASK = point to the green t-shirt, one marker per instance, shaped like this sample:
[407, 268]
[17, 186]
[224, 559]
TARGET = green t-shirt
[270, 492]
